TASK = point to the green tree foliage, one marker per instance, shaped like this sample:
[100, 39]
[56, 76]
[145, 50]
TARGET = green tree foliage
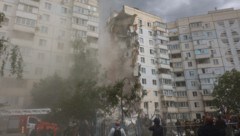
[80, 96]
[227, 91]
[10, 54]
[49, 92]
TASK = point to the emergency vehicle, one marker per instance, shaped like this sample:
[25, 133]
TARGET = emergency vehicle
[25, 120]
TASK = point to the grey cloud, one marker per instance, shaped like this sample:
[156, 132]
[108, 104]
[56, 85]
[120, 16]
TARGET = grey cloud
[173, 9]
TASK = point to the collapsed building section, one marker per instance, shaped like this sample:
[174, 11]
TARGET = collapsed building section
[124, 41]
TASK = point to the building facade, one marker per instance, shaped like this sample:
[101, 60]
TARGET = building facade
[156, 78]
[44, 30]
[202, 48]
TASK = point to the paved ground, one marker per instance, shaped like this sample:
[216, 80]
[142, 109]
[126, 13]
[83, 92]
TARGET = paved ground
[11, 135]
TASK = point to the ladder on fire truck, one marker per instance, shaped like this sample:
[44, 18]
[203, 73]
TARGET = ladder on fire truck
[15, 112]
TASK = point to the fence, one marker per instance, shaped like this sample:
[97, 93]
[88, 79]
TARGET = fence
[141, 129]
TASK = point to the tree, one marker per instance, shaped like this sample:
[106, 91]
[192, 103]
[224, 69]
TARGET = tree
[10, 55]
[227, 92]
[49, 92]
[81, 97]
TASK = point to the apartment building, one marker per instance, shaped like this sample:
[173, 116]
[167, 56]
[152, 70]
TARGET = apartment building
[154, 60]
[44, 31]
[202, 48]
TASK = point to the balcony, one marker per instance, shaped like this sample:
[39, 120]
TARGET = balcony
[166, 86]
[23, 28]
[179, 78]
[163, 56]
[79, 27]
[181, 88]
[92, 34]
[207, 97]
[166, 76]
[210, 109]
[34, 3]
[203, 56]
[170, 109]
[26, 15]
[162, 37]
[168, 98]
[80, 16]
[166, 66]
[183, 109]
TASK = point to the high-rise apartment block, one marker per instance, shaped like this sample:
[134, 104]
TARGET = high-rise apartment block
[44, 30]
[153, 57]
[202, 48]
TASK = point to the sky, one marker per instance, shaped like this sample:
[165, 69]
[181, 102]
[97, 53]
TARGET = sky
[170, 10]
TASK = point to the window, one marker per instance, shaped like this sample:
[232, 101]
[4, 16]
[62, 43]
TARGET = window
[61, 34]
[7, 8]
[80, 10]
[188, 54]
[155, 93]
[33, 120]
[42, 42]
[79, 33]
[182, 104]
[206, 92]
[209, 34]
[165, 81]
[25, 22]
[64, 10]
[189, 64]
[44, 29]
[150, 33]
[141, 40]
[41, 56]
[59, 58]
[177, 64]
[193, 83]
[140, 31]
[186, 46]
[27, 8]
[63, 21]
[153, 71]
[141, 49]
[142, 59]
[92, 28]
[38, 71]
[196, 104]
[48, 6]
[150, 42]
[79, 21]
[60, 46]
[152, 61]
[215, 61]
[140, 22]
[151, 51]
[181, 93]
[82, 1]
[45, 17]
[143, 70]
[163, 51]
[145, 104]
[191, 73]
[156, 105]
[149, 24]
[154, 82]
[144, 81]
[194, 93]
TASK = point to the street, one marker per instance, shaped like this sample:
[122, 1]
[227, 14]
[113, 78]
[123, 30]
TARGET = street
[13, 134]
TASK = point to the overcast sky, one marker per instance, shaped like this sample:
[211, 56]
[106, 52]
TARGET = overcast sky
[172, 9]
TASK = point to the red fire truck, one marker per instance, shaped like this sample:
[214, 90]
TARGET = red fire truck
[26, 120]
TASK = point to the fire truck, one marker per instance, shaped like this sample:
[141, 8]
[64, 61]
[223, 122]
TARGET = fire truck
[24, 121]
